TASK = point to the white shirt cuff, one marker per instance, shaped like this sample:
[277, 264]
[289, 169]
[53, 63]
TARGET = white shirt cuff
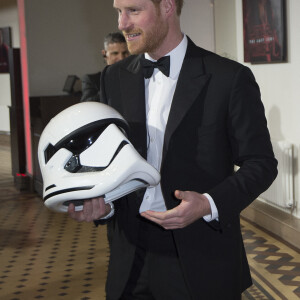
[214, 211]
[111, 213]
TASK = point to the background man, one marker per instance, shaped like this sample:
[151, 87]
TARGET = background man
[193, 121]
[115, 49]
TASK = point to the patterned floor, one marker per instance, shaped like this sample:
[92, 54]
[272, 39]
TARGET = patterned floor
[275, 267]
[46, 255]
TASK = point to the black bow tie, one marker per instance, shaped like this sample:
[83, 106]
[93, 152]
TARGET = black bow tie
[163, 64]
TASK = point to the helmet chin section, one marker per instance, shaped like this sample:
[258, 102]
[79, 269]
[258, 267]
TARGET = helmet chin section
[121, 191]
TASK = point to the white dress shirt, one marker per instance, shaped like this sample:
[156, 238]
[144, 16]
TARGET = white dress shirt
[159, 92]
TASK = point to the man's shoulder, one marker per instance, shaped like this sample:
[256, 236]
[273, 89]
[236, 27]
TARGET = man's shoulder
[130, 63]
[91, 77]
[215, 63]
[126, 62]
[212, 59]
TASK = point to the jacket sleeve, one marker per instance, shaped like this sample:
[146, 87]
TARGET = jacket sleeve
[251, 149]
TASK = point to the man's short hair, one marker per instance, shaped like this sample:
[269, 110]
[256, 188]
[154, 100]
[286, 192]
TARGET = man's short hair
[114, 37]
[179, 5]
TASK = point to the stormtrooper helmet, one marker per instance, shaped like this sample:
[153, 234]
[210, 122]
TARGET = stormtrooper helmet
[84, 153]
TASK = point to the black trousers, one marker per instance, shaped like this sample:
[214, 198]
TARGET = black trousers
[156, 273]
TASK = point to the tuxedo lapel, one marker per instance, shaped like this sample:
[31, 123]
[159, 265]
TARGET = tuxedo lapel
[133, 101]
[192, 79]
[132, 91]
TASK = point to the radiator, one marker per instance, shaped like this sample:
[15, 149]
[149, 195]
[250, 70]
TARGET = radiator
[281, 192]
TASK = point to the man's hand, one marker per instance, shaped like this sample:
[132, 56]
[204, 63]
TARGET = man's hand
[93, 209]
[193, 206]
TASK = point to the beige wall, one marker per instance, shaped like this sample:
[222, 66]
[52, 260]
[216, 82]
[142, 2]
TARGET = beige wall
[225, 28]
[197, 21]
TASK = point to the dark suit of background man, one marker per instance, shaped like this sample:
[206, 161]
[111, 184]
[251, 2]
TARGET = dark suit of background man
[115, 49]
[182, 239]
[3, 54]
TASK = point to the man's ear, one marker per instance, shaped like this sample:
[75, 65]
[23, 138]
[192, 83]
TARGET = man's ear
[169, 7]
[103, 53]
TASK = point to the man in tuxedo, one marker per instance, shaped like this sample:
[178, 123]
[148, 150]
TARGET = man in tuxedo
[194, 121]
[115, 49]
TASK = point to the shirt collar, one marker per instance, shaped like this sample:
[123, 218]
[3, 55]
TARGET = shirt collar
[176, 57]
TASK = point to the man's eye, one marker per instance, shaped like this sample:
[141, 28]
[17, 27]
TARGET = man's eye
[133, 11]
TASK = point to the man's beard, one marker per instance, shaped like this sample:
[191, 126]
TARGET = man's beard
[148, 41]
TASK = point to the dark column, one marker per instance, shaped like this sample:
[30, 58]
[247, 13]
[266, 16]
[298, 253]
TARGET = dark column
[18, 151]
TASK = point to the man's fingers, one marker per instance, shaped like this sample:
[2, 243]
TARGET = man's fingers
[161, 215]
[98, 208]
[87, 208]
[92, 209]
[166, 219]
[71, 210]
[171, 216]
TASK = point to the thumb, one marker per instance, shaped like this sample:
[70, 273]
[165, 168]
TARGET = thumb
[179, 194]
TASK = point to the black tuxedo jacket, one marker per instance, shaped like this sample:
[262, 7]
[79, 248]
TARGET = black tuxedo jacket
[216, 121]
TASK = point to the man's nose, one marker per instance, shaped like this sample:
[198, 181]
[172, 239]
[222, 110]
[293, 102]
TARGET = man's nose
[119, 57]
[124, 22]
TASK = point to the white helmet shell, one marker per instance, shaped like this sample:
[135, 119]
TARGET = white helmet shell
[83, 153]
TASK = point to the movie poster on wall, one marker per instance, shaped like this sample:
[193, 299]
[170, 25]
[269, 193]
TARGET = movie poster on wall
[5, 44]
[264, 31]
